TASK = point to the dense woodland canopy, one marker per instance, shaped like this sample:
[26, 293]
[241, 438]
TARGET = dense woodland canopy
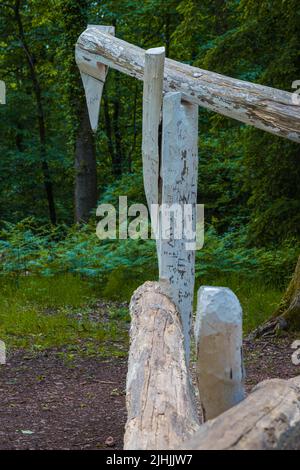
[249, 180]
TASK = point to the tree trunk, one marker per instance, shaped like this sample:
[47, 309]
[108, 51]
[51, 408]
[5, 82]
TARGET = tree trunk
[40, 114]
[289, 308]
[85, 169]
[287, 316]
[118, 155]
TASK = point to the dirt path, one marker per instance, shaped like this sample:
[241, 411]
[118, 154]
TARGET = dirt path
[48, 404]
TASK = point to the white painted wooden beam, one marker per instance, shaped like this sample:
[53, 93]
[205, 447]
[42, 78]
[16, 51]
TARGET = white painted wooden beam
[263, 107]
[179, 174]
[93, 86]
[218, 337]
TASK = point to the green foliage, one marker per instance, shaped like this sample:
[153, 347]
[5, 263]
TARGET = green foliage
[258, 300]
[41, 313]
[249, 181]
[119, 266]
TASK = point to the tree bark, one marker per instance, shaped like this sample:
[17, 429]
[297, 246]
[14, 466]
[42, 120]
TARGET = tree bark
[287, 316]
[289, 308]
[85, 169]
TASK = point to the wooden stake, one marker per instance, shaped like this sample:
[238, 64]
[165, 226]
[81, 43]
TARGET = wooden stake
[218, 337]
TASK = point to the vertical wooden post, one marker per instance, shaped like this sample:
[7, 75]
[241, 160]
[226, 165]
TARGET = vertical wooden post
[218, 337]
[152, 107]
[93, 87]
[179, 174]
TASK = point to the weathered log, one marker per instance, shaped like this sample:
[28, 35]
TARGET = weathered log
[263, 107]
[159, 399]
[268, 419]
[218, 337]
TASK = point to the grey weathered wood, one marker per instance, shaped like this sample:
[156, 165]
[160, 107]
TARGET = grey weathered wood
[2, 352]
[263, 107]
[93, 87]
[269, 418]
[152, 107]
[179, 175]
[219, 339]
[159, 399]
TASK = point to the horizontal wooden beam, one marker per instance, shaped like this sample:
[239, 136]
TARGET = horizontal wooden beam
[263, 107]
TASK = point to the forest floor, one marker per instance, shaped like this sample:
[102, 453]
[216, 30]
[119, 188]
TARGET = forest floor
[48, 402]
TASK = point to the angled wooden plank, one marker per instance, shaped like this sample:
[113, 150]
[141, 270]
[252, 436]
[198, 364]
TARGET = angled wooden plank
[266, 108]
[93, 87]
[179, 174]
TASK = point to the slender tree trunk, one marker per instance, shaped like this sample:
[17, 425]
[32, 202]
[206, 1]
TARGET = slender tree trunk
[40, 114]
[167, 34]
[134, 130]
[287, 315]
[289, 308]
[118, 156]
[85, 170]
[108, 127]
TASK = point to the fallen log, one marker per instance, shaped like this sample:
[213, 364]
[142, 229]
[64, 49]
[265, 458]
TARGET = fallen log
[162, 413]
[263, 107]
[268, 419]
[160, 403]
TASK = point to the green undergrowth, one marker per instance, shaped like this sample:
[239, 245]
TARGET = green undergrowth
[64, 312]
[38, 313]
[258, 299]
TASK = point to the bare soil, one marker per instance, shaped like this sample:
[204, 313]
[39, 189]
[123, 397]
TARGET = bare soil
[47, 403]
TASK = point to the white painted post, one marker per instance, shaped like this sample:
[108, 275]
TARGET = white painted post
[179, 174]
[152, 107]
[93, 87]
[218, 337]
